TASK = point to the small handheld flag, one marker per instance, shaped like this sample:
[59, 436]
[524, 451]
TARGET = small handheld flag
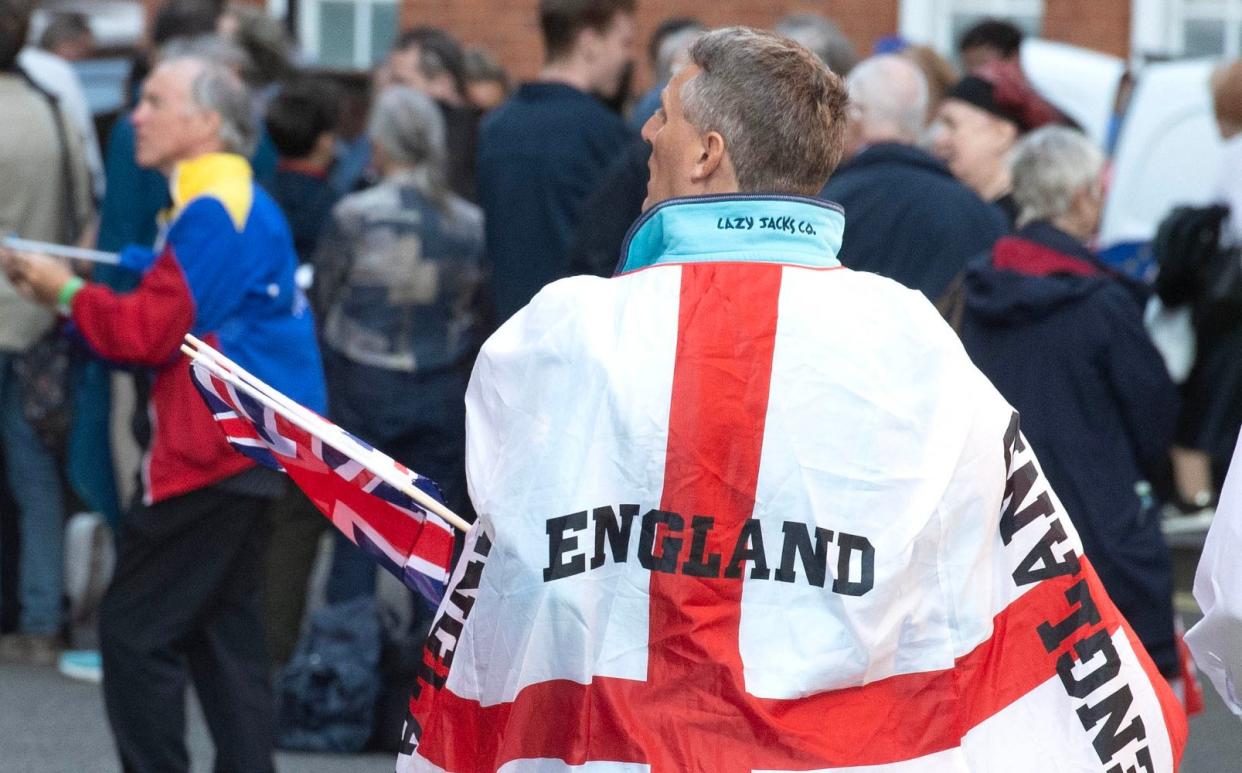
[394, 514]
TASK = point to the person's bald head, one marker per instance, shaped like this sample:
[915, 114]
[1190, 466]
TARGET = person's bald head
[888, 101]
[1227, 98]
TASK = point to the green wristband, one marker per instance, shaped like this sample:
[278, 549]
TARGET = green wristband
[64, 298]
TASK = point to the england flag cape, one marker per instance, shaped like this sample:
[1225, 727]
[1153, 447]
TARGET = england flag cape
[742, 509]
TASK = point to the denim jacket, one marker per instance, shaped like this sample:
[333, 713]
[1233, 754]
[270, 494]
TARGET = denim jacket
[396, 277]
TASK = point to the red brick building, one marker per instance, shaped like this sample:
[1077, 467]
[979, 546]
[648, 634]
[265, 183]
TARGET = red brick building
[344, 33]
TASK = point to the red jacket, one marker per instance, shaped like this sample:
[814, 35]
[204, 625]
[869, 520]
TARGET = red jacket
[224, 271]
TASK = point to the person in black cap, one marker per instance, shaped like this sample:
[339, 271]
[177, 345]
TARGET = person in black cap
[979, 123]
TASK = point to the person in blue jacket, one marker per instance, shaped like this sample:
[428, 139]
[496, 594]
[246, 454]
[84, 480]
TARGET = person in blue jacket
[542, 153]
[184, 602]
[1063, 340]
[907, 217]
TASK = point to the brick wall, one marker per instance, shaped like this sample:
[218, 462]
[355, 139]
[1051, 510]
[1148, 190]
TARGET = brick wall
[1100, 24]
[510, 28]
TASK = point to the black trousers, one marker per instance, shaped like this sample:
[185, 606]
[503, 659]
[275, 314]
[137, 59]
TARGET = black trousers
[296, 526]
[184, 606]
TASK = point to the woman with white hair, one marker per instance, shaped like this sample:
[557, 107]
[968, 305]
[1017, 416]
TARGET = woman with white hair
[1062, 338]
[396, 275]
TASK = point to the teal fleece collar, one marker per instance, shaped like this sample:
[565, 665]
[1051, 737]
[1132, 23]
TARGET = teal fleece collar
[793, 230]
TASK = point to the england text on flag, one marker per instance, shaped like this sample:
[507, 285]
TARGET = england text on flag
[388, 524]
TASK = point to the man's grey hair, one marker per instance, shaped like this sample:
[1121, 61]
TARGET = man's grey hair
[217, 89]
[1050, 167]
[674, 44]
[212, 48]
[780, 110]
[823, 37]
[889, 93]
[408, 125]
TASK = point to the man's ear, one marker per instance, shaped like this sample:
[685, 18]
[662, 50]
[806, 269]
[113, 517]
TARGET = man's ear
[211, 122]
[1084, 203]
[711, 157]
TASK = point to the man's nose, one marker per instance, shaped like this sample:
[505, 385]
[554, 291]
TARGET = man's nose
[648, 131]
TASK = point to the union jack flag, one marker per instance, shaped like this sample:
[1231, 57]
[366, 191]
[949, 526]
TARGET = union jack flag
[389, 525]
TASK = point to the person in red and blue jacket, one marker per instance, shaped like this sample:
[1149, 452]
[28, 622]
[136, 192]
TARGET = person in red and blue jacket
[184, 597]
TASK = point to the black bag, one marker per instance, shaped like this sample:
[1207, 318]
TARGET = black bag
[44, 371]
[1194, 269]
[400, 665]
[46, 394]
[326, 695]
[1196, 272]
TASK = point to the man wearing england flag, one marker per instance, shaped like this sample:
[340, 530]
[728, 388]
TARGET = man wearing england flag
[742, 509]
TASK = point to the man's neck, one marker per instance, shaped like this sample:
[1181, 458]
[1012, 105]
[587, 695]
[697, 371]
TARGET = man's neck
[998, 184]
[878, 138]
[1075, 227]
[567, 72]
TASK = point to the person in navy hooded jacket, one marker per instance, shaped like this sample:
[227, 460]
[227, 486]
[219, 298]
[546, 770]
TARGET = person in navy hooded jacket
[1063, 340]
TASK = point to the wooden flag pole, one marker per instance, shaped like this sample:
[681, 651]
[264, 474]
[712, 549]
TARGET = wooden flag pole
[358, 454]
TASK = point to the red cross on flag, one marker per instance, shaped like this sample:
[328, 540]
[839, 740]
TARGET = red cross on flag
[757, 517]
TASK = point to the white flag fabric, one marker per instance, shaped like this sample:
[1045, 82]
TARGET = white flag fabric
[1216, 640]
[750, 511]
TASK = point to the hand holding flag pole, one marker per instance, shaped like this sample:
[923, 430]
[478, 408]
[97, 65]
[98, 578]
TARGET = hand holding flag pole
[374, 461]
[17, 244]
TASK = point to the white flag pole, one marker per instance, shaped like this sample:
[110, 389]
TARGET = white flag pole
[309, 420]
[290, 405]
[62, 251]
[320, 429]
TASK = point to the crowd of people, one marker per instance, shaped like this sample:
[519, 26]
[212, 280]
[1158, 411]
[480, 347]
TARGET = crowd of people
[355, 243]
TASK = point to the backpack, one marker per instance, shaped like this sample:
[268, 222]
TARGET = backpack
[326, 695]
[1194, 269]
[401, 662]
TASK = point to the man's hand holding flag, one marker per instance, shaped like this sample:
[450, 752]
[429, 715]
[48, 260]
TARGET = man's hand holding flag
[391, 512]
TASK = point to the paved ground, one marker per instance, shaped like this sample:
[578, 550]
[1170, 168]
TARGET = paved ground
[49, 723]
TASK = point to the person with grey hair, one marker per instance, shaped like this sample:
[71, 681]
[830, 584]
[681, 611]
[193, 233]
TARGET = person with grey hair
[907, 217]
[735, 491]
[1056, 174]
[397, 273]
[822, 36]
[1062, 337]
[430, 60]
[216, 88]
[183, 605]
